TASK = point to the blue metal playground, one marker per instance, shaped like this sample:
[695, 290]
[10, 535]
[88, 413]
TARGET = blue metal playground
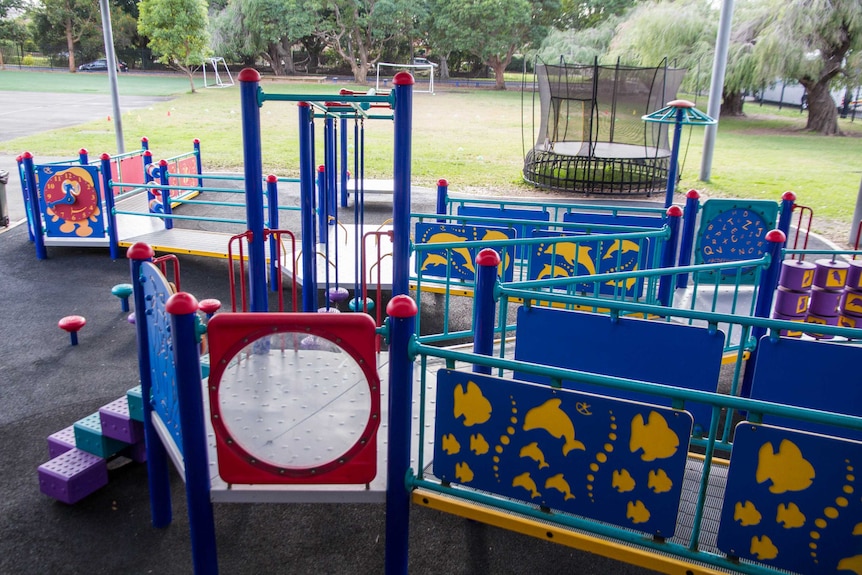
[671, 387]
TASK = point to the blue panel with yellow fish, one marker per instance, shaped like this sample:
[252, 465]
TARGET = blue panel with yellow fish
[793, 500]
[585, 257]
[611, 460]
[460, 260]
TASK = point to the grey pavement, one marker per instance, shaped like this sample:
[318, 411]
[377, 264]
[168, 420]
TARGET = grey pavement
[27, 113]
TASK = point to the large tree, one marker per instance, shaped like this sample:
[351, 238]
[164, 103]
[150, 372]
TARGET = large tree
[8, 9]
[177, 30]
[360, 30]
[71, 20]
[811, 41]
[585, 14]
[494, 30]
[263, 28]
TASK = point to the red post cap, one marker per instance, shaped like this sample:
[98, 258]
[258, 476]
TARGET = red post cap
[693, 194]
[442, 182]
[788, 196]
[674, 212]
[776, 236]
[488, 257]
[140, 251]
[182, 303]
[249, 75]
[209, 306]
[402, 306]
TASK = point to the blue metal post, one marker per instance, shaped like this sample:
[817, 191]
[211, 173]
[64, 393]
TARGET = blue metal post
[158, 477]
[306, 186]
[343, 170]
[249, 88]
[322, 208]
[674, 157]
[403, 119]
[272, 208]
[166, 194]
[484, 306]
[442, 193]
[183, 309]
[145, 143]
[763, 303]
[402, 321]
[198, 162]
[83, 157]
[329, 163]
[27, 208]
[692, 205]
[109, 215]
[788, 200]
[35, 206]
[674, 214]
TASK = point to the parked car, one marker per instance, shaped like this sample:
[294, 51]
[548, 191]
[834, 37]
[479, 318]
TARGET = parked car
[101, 65]
[423, 62]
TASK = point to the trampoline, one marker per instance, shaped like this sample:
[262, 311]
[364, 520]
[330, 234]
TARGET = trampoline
[591, 137]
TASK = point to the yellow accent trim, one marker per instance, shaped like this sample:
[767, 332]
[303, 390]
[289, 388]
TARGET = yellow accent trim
[561, 535]
[730, 357]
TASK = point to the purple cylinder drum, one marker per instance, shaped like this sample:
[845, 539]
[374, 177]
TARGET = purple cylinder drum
[821, 320]
[791, 304]
[851, 303]
[854, 275]
[789, 332]
[796, 275]
[831, 274]
[824, 303]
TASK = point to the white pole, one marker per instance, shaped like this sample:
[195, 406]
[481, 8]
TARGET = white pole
[111, 57]
[716, 87]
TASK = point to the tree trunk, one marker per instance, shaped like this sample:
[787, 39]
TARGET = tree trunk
[70, 45]
[822, 113]
[731, 104]
[444, 68]
[191, 76]
[273, 56]
[499, 67]
[287, 51]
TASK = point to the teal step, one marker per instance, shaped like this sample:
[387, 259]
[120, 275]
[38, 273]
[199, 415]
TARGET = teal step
[89, 438]
[136, 403]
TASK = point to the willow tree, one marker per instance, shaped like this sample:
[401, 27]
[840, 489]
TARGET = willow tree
[177, 30]
[811, 41]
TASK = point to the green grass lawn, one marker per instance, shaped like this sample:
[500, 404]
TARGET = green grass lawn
[476, 139]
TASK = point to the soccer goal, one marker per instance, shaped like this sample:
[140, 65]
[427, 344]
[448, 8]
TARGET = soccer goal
[421, 71]
[217, 77]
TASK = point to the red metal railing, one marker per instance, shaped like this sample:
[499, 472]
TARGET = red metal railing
[803, 212]
[237, 272]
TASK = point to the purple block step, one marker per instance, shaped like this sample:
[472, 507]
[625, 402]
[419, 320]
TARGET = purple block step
[89, 438]
[72, 476]
[117, 422]
[137, 452]
[61, 442]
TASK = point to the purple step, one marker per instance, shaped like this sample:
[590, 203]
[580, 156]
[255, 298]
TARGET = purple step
[72, 476]
[61, 442]
[117, 422]
[89, 438]
[137, 452]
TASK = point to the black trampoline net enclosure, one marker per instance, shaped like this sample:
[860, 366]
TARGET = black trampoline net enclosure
[591, 138]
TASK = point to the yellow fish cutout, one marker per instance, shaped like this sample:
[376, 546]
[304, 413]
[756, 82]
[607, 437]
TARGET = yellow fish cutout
[498, 235]
[474, 406]
[463, 473]
[524, 480]
[451, 445]
[659, 482]
[432, 260]
[787, 469]
[478, 445]
[554, 420]
[446, 237]
[655, 438]
[857, 529]
[622, 481]
[851, 564]
[532, 451]
[763, 548]
[746, 513]
[559, 483]
[637, 512]
[627, 246]
[572, 253]
[789, 516]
